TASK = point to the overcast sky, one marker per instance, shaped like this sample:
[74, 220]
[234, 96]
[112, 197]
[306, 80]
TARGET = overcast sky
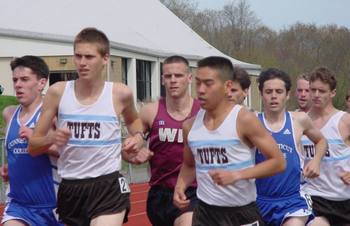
[278, 14]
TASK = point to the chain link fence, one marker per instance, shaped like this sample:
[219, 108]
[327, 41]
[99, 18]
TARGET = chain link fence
[133, 173]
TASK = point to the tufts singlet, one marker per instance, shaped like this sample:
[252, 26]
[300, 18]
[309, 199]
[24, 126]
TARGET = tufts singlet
[221, 149]
[33, 180]
[337, 160]
[95, 146]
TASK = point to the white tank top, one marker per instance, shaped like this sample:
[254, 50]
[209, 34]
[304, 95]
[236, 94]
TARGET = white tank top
[337, 160]
[95, 146]
[221, 149]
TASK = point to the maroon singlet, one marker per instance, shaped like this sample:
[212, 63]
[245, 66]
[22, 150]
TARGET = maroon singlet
[166, 141]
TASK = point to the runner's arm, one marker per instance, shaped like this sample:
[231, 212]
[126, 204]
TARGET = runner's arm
[43, 137]
[252, 130]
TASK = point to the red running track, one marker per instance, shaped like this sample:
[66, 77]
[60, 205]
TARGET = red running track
[138, 198]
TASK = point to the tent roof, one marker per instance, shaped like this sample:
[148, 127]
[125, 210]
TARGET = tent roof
[144, 26]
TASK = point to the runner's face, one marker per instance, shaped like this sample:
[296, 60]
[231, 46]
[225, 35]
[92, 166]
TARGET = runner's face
[88, 61]
[303, 94]
[348, 105]
[176, 79]
[321, 94]
[274, 95]
[210, 88]
[27, 85]
[238, 94]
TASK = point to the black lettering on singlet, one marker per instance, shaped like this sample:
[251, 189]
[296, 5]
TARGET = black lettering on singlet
[206, 155]
[200, 153]
[70, 125]
[81, 130]
[91, 127]
[76, 126]
[224, 156]
[212, 155]
[97, 129]
[310, 151]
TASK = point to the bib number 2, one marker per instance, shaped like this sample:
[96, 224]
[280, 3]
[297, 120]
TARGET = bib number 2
[124, 185]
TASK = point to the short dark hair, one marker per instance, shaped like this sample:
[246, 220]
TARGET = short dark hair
[177, 59]
[222, 65]
[36, 64]
[325, 75]
[93, 35]
[272, 73]
[242, 77]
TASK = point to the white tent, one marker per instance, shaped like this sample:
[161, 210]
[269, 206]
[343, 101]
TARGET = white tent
[144, 26]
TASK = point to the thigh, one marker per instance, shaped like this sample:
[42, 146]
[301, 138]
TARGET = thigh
[109, 197]
[16, 214]
[298, 209]
[279, 211]
[320, 221]
[15, 223]
[109, 220]
[295, 221]
[184, 219]
[83, 200]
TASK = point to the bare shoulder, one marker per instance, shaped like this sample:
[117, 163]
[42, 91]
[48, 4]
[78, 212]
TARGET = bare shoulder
[300, 117]
[344, 127]
[149, 108]
[298, 114]
[56, 89]
[121, 91]
[247, 123]
[245, 116]
[148, 113]
[187, 124]
[8, 112]
[249, 127]
[345, 119]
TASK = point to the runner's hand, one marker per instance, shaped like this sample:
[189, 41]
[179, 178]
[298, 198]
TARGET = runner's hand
[25, 132]
[224, 177]
[61, 136]
[4, 173]
[179, 199]
[345, 177]
[142, 156]
[133, 144]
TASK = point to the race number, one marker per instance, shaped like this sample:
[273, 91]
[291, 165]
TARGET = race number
[308, 200]
[124, 185]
